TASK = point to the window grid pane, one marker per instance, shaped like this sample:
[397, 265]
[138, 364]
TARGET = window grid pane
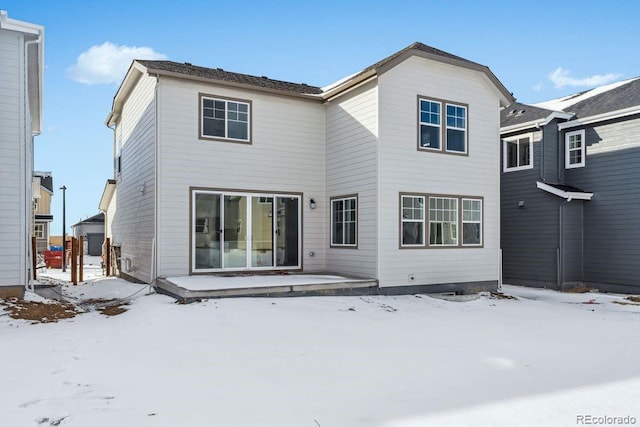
[471, 222]
[443, 221]
[225, 119]
[344, 220]
[429, 124]
[412, 221]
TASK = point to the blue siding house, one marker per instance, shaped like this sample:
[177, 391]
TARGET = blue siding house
[570, 191]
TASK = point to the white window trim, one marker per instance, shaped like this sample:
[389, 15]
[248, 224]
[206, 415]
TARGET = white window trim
[423, 220]
[226, 119]
[583, 150]
[472, 222]
[505, 156]
[447, 127]
[344, 245]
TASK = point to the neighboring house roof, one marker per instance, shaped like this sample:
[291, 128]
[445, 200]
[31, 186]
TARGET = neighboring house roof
[107, 195]
[96, 219]
[599, 103]
[190, 71]
[46, 180]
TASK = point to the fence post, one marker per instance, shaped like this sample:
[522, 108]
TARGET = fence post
[81, 262]
[34, 256]
[74, 260]
[107, 257]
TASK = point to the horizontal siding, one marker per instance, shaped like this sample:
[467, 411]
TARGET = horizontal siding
[352, 169]
[133, 223]
[287, 154]
[12, 161]
[529, 235]
[611, 220]
[404, 169]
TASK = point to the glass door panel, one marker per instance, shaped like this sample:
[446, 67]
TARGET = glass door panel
[261, 231]
[287, 231]
[235, 232]
[207, 236]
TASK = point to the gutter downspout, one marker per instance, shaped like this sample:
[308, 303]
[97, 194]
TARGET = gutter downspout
[30, 279]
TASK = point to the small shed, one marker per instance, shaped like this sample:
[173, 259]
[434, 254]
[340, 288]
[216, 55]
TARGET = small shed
[92, 229]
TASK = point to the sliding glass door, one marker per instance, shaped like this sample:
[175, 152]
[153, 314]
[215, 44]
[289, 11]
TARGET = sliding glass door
[245, 231]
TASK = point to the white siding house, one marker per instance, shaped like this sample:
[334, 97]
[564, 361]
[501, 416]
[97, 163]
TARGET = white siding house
[21, 70]
[220, 172]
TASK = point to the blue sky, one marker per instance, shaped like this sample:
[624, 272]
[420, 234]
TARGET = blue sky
[540, 50]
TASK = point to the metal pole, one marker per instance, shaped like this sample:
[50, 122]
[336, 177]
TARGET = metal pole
[64, 230]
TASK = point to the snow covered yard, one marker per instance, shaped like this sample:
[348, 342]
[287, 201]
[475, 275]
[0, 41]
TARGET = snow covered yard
[543, 359]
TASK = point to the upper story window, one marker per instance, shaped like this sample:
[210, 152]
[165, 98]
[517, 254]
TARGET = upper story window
[574, 149]
[344, 221]
[38, 231]
[450, 137]
[430, 124]
[517, 154]
[456, 128]
[225, 119]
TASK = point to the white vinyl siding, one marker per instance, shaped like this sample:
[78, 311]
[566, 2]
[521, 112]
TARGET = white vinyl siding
[286, 157]
[133, 225]
[15, 157]
[402, 171]
[352, 168]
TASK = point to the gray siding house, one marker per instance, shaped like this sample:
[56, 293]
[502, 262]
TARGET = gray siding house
[571, 190]
[21, 71]
[92, 230]
[389, 174]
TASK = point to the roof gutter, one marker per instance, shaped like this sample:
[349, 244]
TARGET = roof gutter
[600, 117]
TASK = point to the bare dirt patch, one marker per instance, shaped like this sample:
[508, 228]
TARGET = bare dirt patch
[500, 295]
[38, 312]
[582, 289]
[113, 309]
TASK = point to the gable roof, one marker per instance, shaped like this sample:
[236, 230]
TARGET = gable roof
[189, 71]
[96, 219]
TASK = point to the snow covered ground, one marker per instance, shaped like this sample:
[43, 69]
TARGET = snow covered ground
[543, 359]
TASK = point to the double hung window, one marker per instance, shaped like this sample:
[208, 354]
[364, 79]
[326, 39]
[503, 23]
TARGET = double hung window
[226, 119]
[445, 134]
[344, 221]
[574, 149]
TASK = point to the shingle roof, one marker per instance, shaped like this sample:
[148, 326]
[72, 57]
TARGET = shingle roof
[518, 113]
[600, 100]
[621, 97]
[220, 74]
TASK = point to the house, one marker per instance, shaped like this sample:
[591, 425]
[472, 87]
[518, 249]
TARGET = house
[571, 189]
[92, 231]
[389, 174]
[21, 56]
[42, 193]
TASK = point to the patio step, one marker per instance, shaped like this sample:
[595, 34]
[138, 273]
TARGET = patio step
[348, 286]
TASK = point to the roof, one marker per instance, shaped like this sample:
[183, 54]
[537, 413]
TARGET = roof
[46, 180]
[96, 219]
[107, 195]
[190, 71]
[599, 103]
[187, 69]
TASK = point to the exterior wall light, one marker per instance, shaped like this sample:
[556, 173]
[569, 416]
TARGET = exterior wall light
[312, 203]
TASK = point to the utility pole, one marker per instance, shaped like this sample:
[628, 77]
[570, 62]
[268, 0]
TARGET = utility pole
[64, 230]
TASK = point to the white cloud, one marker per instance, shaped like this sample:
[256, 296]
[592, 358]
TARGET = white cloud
[538, 87]
[561, 78]
[107, 63]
